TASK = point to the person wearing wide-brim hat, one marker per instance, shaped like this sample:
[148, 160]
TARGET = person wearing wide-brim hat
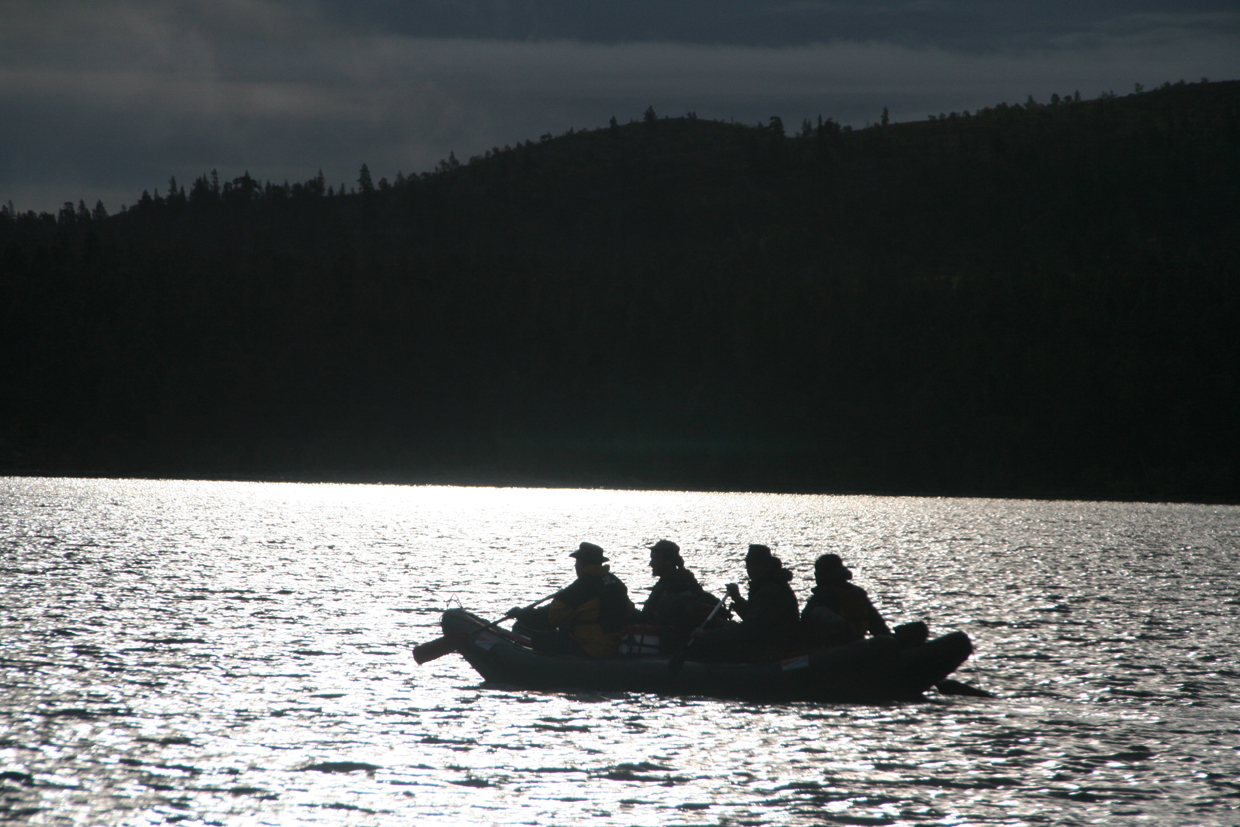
[839, 611]
[589, 554]
[769, 625]
[586, 618]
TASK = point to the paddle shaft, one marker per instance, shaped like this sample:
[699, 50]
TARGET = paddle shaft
[674, 665]
[712, 614]
[448, 644]
[495, 623]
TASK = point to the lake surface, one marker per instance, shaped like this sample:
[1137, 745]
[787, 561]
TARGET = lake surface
[239, 653]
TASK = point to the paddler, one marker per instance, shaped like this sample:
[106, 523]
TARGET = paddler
[769, 624]
[674, 586]
[586, 618]
[677, 602]
[839, 611]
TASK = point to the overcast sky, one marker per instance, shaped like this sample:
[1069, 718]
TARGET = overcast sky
[101, 99]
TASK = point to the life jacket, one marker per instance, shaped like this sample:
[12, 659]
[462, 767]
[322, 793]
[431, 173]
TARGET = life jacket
[847, 600]
[594, 610]
[677, 600]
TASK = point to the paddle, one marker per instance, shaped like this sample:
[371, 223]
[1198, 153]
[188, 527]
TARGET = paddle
[678, 660]
[951, 687]
[450, 643]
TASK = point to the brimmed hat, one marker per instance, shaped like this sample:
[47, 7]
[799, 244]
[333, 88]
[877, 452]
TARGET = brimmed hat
[589, 553]
[666, 547]
[831, 567]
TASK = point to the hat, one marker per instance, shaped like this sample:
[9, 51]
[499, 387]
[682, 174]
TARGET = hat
[758, 552]
[831, 567]
[589, 553]
[666, 547]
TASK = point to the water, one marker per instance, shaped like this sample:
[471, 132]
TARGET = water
[221, 653]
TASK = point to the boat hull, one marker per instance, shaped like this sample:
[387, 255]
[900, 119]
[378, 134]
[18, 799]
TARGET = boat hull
[868, 671]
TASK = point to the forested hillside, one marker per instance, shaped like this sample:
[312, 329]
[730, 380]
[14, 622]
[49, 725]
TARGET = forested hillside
[1031, 300]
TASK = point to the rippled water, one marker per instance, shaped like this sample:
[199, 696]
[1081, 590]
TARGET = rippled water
[221, 653]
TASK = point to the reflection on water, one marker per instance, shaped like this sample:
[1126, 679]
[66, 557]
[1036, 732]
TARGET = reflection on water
[216, 653]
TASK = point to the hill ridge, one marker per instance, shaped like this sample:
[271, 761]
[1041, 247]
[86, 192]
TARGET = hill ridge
[1026, 301]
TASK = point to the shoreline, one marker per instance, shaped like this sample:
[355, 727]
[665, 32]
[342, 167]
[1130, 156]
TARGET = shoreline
[600, 482]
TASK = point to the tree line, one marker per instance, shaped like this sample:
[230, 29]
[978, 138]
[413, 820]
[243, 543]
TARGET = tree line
[1030, 300]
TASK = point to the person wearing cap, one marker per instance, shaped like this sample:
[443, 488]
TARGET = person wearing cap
[839, 611]
[586, 618]
[769, 621]
[677, 602]
[674, 586]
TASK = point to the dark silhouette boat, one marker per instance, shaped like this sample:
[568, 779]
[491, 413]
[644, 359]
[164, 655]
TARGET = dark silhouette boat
[873, 670]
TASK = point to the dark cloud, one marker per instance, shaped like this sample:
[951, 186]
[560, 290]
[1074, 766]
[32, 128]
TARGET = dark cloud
[106, 99]
[974, 24]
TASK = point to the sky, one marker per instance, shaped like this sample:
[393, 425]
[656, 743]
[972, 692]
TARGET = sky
[102, 99]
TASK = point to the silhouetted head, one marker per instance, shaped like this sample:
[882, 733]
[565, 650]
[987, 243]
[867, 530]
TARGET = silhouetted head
[665, 557]
[760, 560]
[830, 568]
[589, 554]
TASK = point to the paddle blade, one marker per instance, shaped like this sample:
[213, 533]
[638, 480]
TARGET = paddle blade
[439, 647]
[951, 687]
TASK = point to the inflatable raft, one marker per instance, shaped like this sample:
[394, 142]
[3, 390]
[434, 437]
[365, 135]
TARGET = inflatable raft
[876, 669]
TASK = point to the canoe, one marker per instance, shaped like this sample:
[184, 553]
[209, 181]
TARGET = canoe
[873, 670]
